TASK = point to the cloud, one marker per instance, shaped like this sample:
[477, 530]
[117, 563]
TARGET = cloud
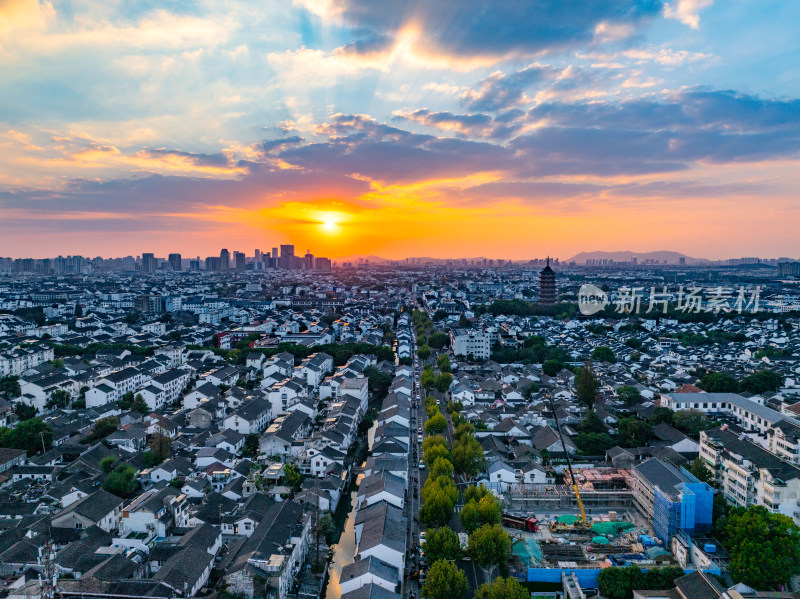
[686, 11]
[666, 57]
[499, 90]
[473, 125]
[473, 28]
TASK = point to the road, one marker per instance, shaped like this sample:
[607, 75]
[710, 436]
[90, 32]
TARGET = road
[411, 587]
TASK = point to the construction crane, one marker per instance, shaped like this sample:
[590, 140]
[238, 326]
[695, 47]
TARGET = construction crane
[582, 522]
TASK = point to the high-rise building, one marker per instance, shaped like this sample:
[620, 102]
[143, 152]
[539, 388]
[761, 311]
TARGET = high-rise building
[547, 285]
[175, 261]
[308, 260]
[322, 264]
[239, 260]
[224, 260]
[257, 255]
[287, 257]
[213, 263]
[194, 264]
[148, 263]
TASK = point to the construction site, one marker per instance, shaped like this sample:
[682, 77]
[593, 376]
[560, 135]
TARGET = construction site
[565, 534]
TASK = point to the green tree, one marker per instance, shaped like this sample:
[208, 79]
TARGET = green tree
[437, 502]
[439, 340]
[489, 546]
[502, 588]
[292, 477]
[661, 414]
[592, 423]
[122, 481]
[691, 422]
[468, 457]
[327, 527]
[587, 385]
[140, 405]
[427, 378]
[104, 427]
[603, 353]
[552, 367]
[58, 399]
[10, 387]
[486, 510]
[441, 544]
[619, 583]
[32, 435]
[764, 547]
[160, 447]
[629, 395]
[24, 412]
[424, 352]
[444, 581]
[443, 363]
[530, 389]
[443, 382]
[615, 583]
[251, 446]
[78, 310]
[632, 432]
[701, 471]
[379, 381]
[432, 440]
[442, 467]
[465, 428]
[475, 493]
[435, 452]
[762, 381]
[436, 424]
[107, 463]
[633, 343]
[593, 444]
[127, 400]
[719, 382]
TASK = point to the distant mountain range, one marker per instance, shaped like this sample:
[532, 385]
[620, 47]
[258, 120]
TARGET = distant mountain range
[641, 257]
[622, 256]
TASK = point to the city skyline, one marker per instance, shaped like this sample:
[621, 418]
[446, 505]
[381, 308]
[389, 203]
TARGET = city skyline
[398, 130]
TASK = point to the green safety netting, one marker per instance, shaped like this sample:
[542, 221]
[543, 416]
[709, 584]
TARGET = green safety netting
[654, 552]
[529, 551]
[611, 528]
[600, 540]
[568, 519]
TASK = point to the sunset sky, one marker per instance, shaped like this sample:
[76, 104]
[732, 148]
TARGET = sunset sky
[446, 128]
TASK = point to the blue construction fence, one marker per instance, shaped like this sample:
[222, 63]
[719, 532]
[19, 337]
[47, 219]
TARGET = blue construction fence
[587, 577]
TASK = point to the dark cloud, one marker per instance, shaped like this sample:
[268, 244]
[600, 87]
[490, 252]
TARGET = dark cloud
[279, 144]
[361, 146]
[499, 91]
[476, 27]
[220, 160]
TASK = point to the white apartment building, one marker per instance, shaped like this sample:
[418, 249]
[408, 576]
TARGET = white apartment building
[749, 474]
[466, 342]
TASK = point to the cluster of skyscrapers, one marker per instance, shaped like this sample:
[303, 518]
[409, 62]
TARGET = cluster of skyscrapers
[284, 259]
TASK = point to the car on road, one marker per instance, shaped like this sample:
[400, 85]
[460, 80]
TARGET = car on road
[421, 466]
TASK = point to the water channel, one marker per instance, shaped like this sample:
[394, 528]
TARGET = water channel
[344, 551]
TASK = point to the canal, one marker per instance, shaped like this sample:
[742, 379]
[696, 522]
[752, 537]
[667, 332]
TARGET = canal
[344, 551]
